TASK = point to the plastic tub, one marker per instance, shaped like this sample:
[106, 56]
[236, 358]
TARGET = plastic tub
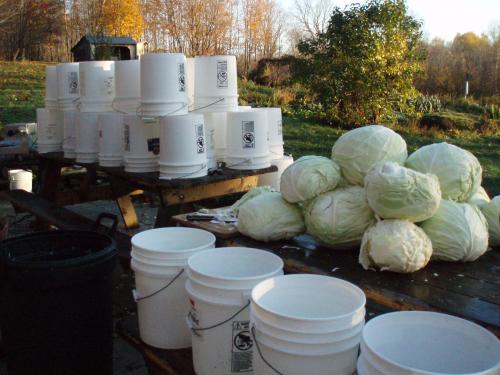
[110, 127]
[97, 86]
[68, 86]
[127, 86]
[273, 179]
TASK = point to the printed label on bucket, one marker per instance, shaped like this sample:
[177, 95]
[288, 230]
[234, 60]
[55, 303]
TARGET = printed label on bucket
[222, 74]
[248, 134]
[72, 79]
[280, 128]
[51, 131]
[200, 138]
[241, 352]
[126, 137]
[154, 145]
[182, 78]
[108, 86]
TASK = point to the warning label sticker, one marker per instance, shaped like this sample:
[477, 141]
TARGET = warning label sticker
[248, 134]
[73, 82]
[241, 354]
[222, 74]
[182, 78]
[126, 137]
[200, 138]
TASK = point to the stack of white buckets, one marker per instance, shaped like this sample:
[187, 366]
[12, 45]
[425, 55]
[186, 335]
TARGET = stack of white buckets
[120, 113]
[238, 312]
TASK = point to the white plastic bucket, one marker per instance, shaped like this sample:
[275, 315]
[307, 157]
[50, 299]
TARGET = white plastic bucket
[49, 130]
[97, 86]
[110, 127]
[51, 87]
[86, 137]
[183, 153]
[141, 144]
[127, 86]
[428, 343]
[244, 107]
[190, 77]
[219, 286]
[216, 83]
[162, 316]
[68, 86]
[163, 84]
[246, 140]
[215, 123]
[69, 126]
[273, 179]
[275, 127]
[20, 179]
[307, 324]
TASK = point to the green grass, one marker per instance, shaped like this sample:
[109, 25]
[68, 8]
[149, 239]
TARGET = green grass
[22, 88]
[307, 138]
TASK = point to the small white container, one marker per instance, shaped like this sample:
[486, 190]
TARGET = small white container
[163, 84]
[49, 130]
[183, 153]
[86, 137]
[273, 179]
[158, 256]
[68, 86]
[110, 127]
[20, 179]
[246, 140]
[51, 87]
[127, 86]
[97, 86]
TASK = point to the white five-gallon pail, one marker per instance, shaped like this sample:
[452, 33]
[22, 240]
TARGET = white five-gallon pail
[216, 83]
[163, 84]
[69, 127]
[49, 130]
[68, 86]
[219, 286]
[427, 343]
[86, 137]
[273, 179]
[183, 152]
[159, 257]
[51, 87]
[141, 144]
[127, 86]
[275, 128]
[97, 86]
[20, 179]
[246, 140]
[306, 324]
[215, 123]
[110, 127]
[190, 77]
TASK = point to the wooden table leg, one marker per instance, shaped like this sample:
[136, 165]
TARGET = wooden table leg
[128, 211]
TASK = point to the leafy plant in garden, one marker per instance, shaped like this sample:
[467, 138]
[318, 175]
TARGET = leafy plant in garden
[362, 68]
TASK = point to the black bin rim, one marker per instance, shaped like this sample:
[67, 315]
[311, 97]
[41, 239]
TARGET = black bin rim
[105, 252]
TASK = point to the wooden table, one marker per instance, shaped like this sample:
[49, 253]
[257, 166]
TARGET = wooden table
[467, 290]
[123, 184]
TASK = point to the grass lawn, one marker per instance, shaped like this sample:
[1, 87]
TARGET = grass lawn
[22, 91]
[306, 138]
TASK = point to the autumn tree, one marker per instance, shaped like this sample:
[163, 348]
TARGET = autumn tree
[363, 66]
[122, 18]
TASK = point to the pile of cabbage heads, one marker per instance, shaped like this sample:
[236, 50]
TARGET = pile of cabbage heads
[398, 211]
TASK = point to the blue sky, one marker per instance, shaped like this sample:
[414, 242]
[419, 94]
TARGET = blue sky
[445, 18]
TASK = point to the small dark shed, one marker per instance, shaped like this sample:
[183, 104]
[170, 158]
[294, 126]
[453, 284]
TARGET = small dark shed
[101, 47]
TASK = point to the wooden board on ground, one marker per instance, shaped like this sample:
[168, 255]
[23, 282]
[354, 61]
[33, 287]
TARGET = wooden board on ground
[220, 230]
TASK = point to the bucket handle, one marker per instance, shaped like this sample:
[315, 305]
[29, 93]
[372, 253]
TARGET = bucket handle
[105, 215]
[196, 330]
[139, 298]
[252, 330]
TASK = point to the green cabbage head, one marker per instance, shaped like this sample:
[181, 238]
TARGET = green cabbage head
[308, 177]
[480, 198]
[458, 171]
[395, 245]
[396, 192]
[337, 219]
[360, 149]
[458, 232]
[491, 212]
[268, 217]
[249, 195]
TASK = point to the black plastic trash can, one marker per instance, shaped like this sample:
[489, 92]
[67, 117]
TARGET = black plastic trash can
[56, 313]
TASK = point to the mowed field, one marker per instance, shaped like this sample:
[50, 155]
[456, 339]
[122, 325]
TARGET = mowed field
[22, 90]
